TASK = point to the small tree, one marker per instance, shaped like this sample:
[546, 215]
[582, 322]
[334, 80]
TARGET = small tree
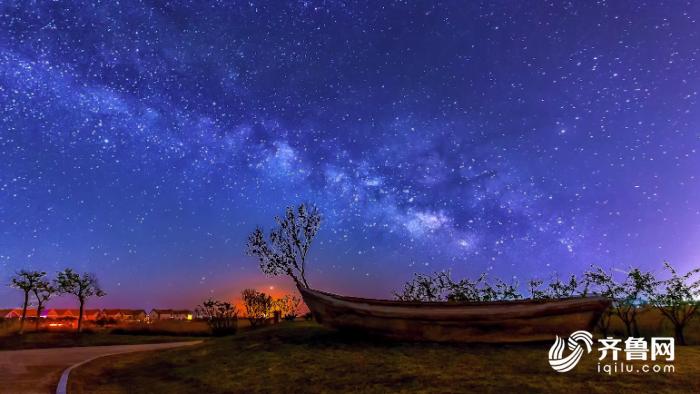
[678, 300]
[467, 290]
[82, 286]
[480, 289]
[557, 288]
[507, 291]
[26, 281]
[422, 288]
[607, 287]
[288, 306]
[626, 295]
[258, 306]
[43, 292]
[222, 317]
[440, 286]
[601, 281]
[285, 252]
[533, 286]
[567, 289]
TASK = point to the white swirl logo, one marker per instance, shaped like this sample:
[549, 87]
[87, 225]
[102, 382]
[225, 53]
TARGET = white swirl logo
[576, 343]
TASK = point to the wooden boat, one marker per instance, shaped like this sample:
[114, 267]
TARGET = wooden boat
[497, 322]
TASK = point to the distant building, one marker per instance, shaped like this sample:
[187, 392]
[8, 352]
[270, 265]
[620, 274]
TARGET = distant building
[134, 314]
[62, 314]
[112, 314]
[128, 315]
[160, 314]
[50, 314]
[170, 314]
[71, 314]
[92, 314]
[16, 313]
[123, 315]
[183, 314]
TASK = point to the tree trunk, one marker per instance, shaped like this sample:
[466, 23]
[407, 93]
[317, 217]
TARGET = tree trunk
[39, 307]
[604, 324]
[635, 328]
[80, 316]
[678, 331]
[24, 312]
[628, 327]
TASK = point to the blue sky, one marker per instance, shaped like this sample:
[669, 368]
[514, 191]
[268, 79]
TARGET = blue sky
[143, 142]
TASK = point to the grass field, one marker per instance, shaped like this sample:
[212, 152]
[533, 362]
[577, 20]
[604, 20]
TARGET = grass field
[195, 328]
[41, 340]
[303, 356]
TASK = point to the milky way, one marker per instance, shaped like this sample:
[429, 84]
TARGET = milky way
[143, 140]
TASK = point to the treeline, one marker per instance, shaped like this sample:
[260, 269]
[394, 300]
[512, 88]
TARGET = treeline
[38, 287]
[222, 316]
[676, 297]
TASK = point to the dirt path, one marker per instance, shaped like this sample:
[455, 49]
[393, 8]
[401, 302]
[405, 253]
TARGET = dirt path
[39, 370]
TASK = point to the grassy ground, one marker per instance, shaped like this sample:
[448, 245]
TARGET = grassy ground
[168, 327]
[94, 335]
[306, 357]
[40, 340]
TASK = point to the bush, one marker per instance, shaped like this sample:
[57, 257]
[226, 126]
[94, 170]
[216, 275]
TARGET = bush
[258, 306]
[288, 306]
[441, 287]
[222, 317]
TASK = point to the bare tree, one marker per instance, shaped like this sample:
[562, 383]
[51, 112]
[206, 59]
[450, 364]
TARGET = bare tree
[258, 306]
[440, 287]
[557, 288]
[43, 292]
[466, 289]
[626, 295]
[677, 302]
[480, 289]
[569, 288]
[82, 286]
[422, 288]
[288, 306]
[222, 317]
[286, 249]
[507, 291]
[533, 286]
[26, 281]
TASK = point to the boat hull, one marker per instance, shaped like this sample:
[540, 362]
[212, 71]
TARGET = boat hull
[496, 322]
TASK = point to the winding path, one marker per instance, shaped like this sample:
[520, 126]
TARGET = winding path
[39, 370]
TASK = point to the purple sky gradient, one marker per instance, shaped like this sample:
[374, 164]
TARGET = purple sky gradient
[143, 142]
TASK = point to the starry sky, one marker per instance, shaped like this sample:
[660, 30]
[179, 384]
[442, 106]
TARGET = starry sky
[143, 140]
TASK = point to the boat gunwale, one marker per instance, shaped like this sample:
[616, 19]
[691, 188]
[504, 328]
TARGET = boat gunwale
[457, 304]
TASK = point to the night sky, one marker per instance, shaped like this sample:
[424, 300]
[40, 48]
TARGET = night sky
[144, 140]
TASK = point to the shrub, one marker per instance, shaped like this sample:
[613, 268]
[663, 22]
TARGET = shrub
[440, 287]
[288, 306]
[222, 317]
[258, 306]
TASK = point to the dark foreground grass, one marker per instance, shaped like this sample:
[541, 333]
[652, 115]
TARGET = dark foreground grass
[304, 357]
[42, 340]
